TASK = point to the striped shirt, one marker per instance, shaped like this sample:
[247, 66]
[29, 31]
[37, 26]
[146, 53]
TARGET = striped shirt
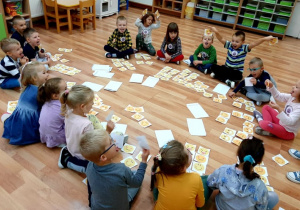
[236, 57]
[8, 68]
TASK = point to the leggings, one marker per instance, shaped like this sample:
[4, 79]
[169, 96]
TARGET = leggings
[271, 123]
[141, 45]
[177, 58]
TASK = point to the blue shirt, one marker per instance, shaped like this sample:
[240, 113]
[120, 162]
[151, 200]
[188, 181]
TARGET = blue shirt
[16, 35]
[30, 52]
[236, 58]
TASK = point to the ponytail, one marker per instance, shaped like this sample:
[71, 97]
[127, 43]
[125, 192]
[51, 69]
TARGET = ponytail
[63, 100]
[52, 86]
[41, 97]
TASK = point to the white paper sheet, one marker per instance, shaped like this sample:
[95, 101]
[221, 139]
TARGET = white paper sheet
[143, 142]
[103, 74]
[196, 127]
[221, 89]
[137, 78]
[150, 81]
[247, 81]
[163, 137]
[113, 86]
[95, 87]
[108, 117]
[197, 110]
[119, 138]
[105, 68]
[118, 127]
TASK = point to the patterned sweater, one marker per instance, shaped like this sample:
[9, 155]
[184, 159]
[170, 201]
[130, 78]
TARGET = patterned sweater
[173, 48]
[121, 41]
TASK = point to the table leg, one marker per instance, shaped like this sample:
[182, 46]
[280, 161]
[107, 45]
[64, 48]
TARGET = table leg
[69, 21]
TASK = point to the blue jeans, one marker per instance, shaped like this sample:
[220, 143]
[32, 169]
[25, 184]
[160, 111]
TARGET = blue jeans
[257, 94]
[272, 199]
[200, 67]
[10, 83]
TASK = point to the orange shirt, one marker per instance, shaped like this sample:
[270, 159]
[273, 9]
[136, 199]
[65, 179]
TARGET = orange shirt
[184, 191]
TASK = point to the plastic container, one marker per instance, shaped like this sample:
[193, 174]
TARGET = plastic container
[217, 9]
[251, 6]
[216, 16]
[230, 19]
[263, 26]
[282, 20]
[285, 12]
[247, 22]
[264, 18]
[234, 3]
[202, 6]
[231, 12]
[286, 3]
[189, 10]
[268, 9]
[271, 1]
[249, 14]
[203, 13]
[220, 1]
[13, 7]
[279, 29]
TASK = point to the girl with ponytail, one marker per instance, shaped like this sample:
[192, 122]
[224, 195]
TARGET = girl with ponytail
[240, 187]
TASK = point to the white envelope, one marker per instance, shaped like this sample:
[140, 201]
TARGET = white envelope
[105, 68]
[143, 142]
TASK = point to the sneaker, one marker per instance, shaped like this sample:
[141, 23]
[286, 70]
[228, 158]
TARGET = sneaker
[294, 176]
[158, 58]
[243, 91]
[257, 115]
[63, 157]
[177, 62]
[212, 75]
[126, 57]
[230, 83]
[205, 71]
[108, 55]
[262, 132]
[5, 116]
[295, 153]
[258, 103]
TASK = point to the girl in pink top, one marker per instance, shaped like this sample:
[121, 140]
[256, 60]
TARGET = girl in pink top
[284, 124]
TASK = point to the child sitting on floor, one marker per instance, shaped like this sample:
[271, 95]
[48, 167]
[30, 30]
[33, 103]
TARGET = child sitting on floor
[19, 24]
[119, 44]
[111, 185]
[173, 52]
[239, 186]
[257, 91]
[233, 69]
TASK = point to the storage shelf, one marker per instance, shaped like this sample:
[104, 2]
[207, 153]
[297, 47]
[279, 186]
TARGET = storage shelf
[23, 15]
[260, 30]
[172, 7]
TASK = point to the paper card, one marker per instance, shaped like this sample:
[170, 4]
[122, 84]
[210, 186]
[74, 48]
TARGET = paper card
[137, 116]
[197, 110]
[145, 12]
[149, 62]
[240, 100]
[109, 116]
[225, 114]
[157, 14]
[199, 168]
[236, 141]
[248, 130]
[226, 137]
[261, 170]
[280, 160]
[250, 108]
[97, 99]
[137, 78]
[207, 95]
[265, 180]
[127, 148]
[139, 109]
[93, 112]
[139, 157]
[150, 81]
[249, 124]
[273, 41]
[84, 181]
[190, 147]
[140, 62]
[105, 68]
[121, 128]
[217, 100]
[68, 50]
[70, 84]
[61, 49]
[147, 57]
[203, 151]
[122, 69]
[223, 97]
[129, 162]
[143, 142]
[104, 107]
[103, 74]
[237, 104]
[201, 158]
[208, 32]
[242, 135]
[229, 132]
[132, 68]
[163, 137]
[269, 188]
[11, 106]
[95, 87]
[196, 127]
[64, 60]
[248, 117]
[113, 86]
[119, 138]
[221, 89]
[248, 83]
[145, 123]
[237, 114]
[249, 103]
[129, 108]
[221, 119]
[115, 118]
[204, 86]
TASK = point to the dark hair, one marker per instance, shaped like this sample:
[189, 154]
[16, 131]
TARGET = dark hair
[28, 32]
[172, 27]
[240, 34]
[146, 16]
[255, 148]
[16, 18]
[46, 90]
[172, 162]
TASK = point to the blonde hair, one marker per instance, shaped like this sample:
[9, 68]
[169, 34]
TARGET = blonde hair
[120, 18]
[29, 73]
[212, 37]
[6, 44]
[92, 144]
[256, 60]
[79, 94]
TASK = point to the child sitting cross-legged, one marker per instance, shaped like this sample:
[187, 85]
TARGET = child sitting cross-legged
[111, 185]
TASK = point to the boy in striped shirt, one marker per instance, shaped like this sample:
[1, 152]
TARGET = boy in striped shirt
[233, 69]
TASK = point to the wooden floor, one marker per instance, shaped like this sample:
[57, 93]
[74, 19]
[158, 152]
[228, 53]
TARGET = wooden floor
[30, 177]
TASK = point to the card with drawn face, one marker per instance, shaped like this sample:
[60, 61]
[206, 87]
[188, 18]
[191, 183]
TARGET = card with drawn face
[203, 151]
[61, 49]
[242, 135]
[127, 148]
[137, 116]
[248, 117]
[223, 97]
[217, 100]
[189, 85]
[115, 118]
[249, 103]
[250, 108]
[157, 14]
[201, 158]
[249, 124]
[207, 32]
[261, 170]
[145, 123]
[225, 114]
[265, 180]
[139, 109]
[240, 100]
[226, 137]
[199, 167]
[122, 69]
[248, 130]
[237, 104]
[68, 50]
[64, 60]
[237, 141]
[145, 12]
[221, 119]
[237, 114]
[229, 132]
[139, 157]
[190, 147]
[269, 188]
[207, 95]
[93, 112]
[280, 160]
[273, 41]
[104, 107]
[149, 62]
[129, 108]
[200, 90]
[11, 106]
[132, 68]
[129, 162]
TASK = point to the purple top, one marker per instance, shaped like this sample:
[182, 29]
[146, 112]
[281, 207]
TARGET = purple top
[52, 126]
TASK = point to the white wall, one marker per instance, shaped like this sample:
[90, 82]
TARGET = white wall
[36, 8]
[147, 2]
[294, 26]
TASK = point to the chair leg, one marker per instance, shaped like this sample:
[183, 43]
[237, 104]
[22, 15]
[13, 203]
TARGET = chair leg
[46, 22]
[94, 22]
[57, 25]
[81, 25]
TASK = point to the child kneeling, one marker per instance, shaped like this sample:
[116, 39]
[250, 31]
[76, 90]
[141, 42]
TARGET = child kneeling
[111, 185]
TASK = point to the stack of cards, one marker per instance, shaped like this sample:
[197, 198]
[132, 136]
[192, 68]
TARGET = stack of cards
[68, 70]
[228, 135]
[56, 57]
[200, 160]
[223, 117]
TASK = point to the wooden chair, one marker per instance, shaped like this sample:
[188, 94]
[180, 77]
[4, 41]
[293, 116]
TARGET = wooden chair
[51, 10]
[84, 15]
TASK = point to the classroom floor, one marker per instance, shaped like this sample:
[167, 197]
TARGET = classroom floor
[30, 177]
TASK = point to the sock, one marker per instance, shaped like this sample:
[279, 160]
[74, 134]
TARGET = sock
[162, 59]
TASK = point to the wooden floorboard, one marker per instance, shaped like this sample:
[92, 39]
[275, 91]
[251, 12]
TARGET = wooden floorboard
[30, 177]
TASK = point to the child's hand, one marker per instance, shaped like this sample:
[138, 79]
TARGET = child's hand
[110, 126]
[24, 60]
[231, 94]
[168, 57]
[274, 105]
[268, 83]
[48, 60]
[253, 81]
[214, 29]
[145, 154]
[196, 62]
[269, 38]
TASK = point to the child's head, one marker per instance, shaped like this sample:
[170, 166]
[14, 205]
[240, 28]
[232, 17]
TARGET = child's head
[238, 39]
[12, 48]
[250, 153]
[34, 73]
[19, 24]
[172, 32]
[207, 41]
[256, 67]
[148, 19]
[121, 24]
[32, 37]
[97, 146]
[173, 159]
[79, 98]
[51, 90]
[296, 91]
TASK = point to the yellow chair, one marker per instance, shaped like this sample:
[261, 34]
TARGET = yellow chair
[84, 15]
[51, 10]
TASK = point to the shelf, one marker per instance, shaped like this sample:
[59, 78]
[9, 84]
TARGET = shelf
[23, 15]
[213, 20]
[260, 30]
[172, 7]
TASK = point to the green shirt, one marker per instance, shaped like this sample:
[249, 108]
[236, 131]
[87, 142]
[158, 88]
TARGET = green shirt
[208, 55]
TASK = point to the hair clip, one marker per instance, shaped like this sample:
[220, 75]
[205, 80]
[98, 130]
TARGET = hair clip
[249, 158]
[67, 92]
[158, 156]
[166, 146]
